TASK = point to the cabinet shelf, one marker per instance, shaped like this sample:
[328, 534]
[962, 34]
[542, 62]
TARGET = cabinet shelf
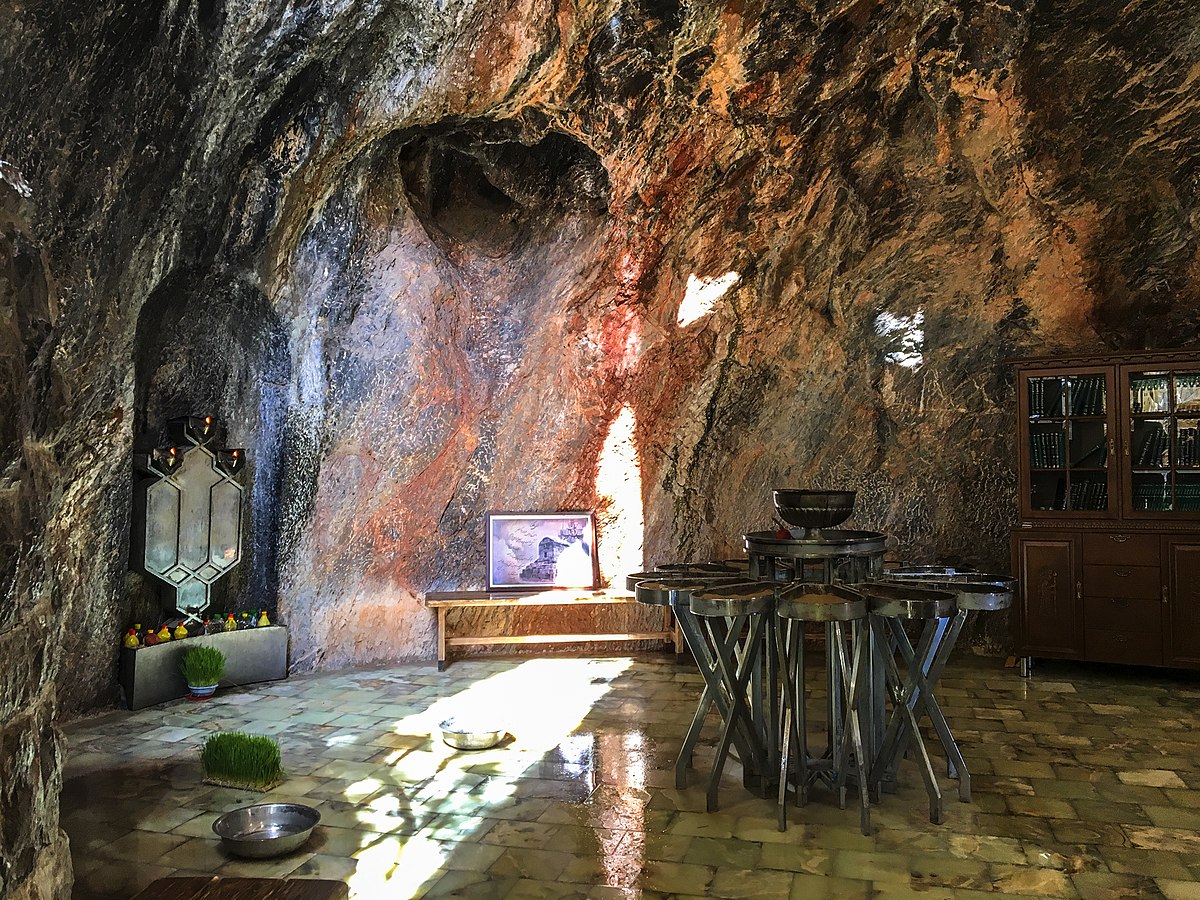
[1138, 513]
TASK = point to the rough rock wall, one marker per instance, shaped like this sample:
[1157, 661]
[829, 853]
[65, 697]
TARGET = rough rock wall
[428, 259]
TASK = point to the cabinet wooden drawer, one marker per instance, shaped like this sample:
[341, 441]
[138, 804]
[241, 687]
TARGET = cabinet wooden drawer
[1137, 648]
[1134, 582]
[1123, 614]
[1120, 548]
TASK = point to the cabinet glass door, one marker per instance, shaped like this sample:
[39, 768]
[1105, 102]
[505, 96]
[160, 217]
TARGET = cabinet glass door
[1068, 452]
[1164, 447]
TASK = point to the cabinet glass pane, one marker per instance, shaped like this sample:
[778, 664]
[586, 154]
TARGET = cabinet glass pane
[1152, 491]
[1187, 393]
[1151, 446]
[1047, 445]
[1048, 490]
[1088, 445]
[1164, 440]
[1187, 492]
[1150, 392]
[1089, 490]
[1046, 397]
[1086, 396]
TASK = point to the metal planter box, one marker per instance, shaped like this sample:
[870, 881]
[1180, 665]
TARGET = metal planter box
[151, 675]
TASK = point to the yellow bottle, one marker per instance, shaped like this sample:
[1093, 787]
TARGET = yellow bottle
[262, 619]
[230, 623]
[164, 634]
[181, 632]
[131, 640]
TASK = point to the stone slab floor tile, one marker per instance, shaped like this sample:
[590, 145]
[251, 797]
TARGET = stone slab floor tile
[1108, 886]
[750, 884]
[816, 887]
[198, 855]
[530, 889]
[1179, 890]
[1067, 781]
[140, 846]
[677, 878]
[1156, 864]
[265, 868]
[117, 880]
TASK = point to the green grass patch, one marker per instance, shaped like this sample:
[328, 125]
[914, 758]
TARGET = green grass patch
[242, 760]
[203, 666]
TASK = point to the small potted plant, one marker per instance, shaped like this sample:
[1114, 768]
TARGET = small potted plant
[234, 759]
[202, 669]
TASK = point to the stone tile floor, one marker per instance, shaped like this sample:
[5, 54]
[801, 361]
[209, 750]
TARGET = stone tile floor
[1086, 784]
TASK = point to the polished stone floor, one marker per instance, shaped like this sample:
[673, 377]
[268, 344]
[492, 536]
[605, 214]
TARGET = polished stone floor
[1087, 784]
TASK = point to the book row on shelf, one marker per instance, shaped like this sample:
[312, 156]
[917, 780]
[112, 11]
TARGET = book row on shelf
[1089, 495]
[1049, 449]
[1187, 451]
[1148, 395]
[1157, 496]
[1153, 443]
[1086, 396]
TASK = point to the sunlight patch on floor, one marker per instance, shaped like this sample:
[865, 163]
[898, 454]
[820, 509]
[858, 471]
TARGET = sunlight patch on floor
[540, 702]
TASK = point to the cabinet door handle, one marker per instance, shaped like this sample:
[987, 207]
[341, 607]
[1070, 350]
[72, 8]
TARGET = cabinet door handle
[1166, 593]
[1118, 538]
[1122, 573]
[1079, 590]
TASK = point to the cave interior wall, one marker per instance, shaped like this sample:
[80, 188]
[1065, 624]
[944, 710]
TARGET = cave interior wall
[424, 262]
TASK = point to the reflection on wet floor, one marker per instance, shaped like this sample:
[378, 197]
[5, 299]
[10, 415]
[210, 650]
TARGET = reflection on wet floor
[1087, 784]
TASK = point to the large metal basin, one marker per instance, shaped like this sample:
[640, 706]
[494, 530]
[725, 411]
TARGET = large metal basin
[266, 829]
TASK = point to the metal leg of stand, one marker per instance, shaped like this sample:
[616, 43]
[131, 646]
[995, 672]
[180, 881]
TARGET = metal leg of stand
[714, 694]
[736, 674]
[928, 668]
[851, 671]
[902, 731]
[956, 766]
[789, 635]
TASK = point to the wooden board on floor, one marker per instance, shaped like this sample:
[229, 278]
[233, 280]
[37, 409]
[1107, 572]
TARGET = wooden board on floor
[218, 888]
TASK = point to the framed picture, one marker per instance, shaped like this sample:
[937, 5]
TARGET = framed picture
[532, 550]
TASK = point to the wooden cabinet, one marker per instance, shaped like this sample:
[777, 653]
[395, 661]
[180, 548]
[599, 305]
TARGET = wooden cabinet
[1049, 570]
[1107, 549]
[1181, 596]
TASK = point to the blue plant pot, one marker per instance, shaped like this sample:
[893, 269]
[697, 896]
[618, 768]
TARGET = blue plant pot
[206, 691]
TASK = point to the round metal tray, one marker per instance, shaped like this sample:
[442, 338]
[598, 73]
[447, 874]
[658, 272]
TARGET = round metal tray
[830, 542]
[266, 829]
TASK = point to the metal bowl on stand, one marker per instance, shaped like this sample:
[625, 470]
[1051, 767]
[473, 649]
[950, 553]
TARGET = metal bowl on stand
[813, 509]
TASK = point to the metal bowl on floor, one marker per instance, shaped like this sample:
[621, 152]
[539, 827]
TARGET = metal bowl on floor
[465, 735]
[813, 509]
[266, 829]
